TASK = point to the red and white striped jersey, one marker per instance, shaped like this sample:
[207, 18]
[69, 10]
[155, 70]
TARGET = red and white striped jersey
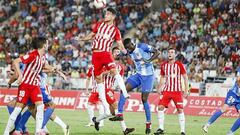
[90, 74]
[105, 36]
[34, 63]
[173, 74]
[109, 80]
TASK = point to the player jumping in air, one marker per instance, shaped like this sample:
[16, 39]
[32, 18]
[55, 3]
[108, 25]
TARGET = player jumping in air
[142, 55]
[103, 35]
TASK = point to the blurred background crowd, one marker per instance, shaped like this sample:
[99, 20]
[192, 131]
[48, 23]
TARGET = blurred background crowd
[205, 33]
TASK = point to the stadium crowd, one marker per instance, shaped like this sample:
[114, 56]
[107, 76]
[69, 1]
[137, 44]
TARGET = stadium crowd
[205, 33]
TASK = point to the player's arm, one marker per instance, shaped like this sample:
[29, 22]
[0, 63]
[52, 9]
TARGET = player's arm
[186, 90]
[12, 79]
[88, 37]
[121, 46]
[160, 85]
[87, 85]
[16, 65]
[154, 56]
[50, 69]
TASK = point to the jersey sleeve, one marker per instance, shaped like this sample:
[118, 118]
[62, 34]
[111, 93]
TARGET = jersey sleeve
[89, 73]
[28, 58]
[117, 35]
[145, 47]
[95, 29]
[182, 68]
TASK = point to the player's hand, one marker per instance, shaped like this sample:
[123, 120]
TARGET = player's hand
[62, 75]
[9, 85]
[186, 94]
[87, 92]
[159, 92]
[19, 79]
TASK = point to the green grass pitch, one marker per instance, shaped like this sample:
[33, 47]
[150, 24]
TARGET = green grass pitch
[78, 119]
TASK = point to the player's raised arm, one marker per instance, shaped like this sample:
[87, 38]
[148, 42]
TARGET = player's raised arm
[121, 46]
[154, 56]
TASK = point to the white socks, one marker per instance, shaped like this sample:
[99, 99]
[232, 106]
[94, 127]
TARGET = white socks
[161, 119]
[121, 84]
[181, 118]
[90, 112]
[102, 96]
[11, 120]
[58, 121]
[123, 125]
[101, 112]
[39, 117]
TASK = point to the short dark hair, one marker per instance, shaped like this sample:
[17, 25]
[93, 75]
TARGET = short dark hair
[171, 48]
[115, 47]
[112, 10]
[127, 41]
[38, 42]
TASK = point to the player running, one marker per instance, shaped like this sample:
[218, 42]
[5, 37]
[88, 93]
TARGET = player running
[232, 99]
[142, 55]
[29, 84]
[170, 88]
[103, 35]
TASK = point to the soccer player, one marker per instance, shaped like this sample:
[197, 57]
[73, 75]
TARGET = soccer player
[20, 125]
[29, 84]
[93, 98]
[142, 55]
[170, 88]
[232, 99]
[109, 81]
[103, 35]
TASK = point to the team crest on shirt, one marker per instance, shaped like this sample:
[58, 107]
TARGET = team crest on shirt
[25, 56]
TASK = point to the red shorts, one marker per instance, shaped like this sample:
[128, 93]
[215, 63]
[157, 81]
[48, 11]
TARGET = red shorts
[26, 92]
[101, 59]
[167, 96]
[110, 96]
[93, 98]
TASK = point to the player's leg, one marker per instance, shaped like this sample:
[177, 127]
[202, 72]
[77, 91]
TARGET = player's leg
[132, 82]
[236, 124]
[36, 98]
[120, 82]
[228, 102]
[58, 121]
[22, 98]
[10, 107]
[101, 112]
[92, 101]
[163, 103]
[178, 101]
[147, 86]
[48, 112]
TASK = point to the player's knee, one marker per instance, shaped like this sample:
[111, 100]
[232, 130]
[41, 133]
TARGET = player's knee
[40, 107]
[161, 108]
[179, 110]
[144, 100]
[52, 105]
[98, 79]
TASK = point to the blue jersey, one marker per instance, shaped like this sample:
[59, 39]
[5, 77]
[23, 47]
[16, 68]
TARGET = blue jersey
[43, 80]
[143, 52]
[235, 89]
[22, 67]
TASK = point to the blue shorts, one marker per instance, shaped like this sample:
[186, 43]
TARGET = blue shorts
[46, 97]
[233, 100]
[146, 82]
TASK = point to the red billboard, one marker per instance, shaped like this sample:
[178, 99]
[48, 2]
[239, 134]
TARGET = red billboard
[69, 99]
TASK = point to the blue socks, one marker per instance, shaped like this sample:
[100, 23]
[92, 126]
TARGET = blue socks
[215, 116]
[236, 125]
[121, 103]
[47, 115]
[147, 111]
[10, 110]
[22, 123]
